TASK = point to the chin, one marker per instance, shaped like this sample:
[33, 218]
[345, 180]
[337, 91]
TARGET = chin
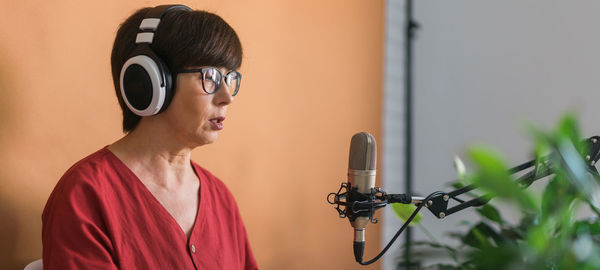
[206, 139]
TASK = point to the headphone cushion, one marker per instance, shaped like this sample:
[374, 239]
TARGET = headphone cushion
[142, 86]
[169, 84]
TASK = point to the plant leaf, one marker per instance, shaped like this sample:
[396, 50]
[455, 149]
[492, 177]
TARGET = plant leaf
[480, 235]
[491, 213]
[461, 170]
[538, 238]
[568, 128]
[457, 184]
[575, 170]
[582, 227]
[404, 211]
[557, 196]
[493, 176]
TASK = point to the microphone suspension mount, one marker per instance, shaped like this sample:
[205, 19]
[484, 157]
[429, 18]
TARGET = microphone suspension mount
[351, 204]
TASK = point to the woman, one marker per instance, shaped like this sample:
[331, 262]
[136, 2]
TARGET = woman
[141, 203]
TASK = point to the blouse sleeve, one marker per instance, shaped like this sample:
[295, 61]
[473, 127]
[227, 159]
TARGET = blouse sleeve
[250, 262]
[74, 233]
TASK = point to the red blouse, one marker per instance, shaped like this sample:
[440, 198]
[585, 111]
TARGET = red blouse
[101, 216]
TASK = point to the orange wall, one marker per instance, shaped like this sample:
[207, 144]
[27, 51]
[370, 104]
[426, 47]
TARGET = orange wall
[312, 78]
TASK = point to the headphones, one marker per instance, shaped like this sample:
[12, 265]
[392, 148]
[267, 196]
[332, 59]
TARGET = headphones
[145, 80]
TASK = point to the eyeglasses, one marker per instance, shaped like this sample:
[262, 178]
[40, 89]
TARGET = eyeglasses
[212, 78]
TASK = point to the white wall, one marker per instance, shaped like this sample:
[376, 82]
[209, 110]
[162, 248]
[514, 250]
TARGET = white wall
[481, 69]
[392, 147]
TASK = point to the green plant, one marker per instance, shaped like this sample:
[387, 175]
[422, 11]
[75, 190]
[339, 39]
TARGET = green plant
[549, 235]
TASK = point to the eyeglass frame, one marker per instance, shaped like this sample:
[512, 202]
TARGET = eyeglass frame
[196, 70]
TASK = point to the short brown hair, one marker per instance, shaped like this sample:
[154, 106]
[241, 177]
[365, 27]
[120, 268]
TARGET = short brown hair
[183, 39]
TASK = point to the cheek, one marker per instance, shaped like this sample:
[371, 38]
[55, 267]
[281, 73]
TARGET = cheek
[196, 107]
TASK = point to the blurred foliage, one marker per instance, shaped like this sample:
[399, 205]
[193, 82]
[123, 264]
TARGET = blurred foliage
[548, 235]
[404, 211]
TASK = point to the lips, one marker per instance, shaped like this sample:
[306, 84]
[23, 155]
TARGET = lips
[217, 122]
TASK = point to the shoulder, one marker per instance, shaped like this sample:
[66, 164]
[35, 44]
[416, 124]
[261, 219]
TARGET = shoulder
[86, 179]
[79, 191]
[88, 171]
[95, 163]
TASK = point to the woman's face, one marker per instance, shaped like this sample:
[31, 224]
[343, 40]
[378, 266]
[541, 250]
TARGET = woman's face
[195, 116]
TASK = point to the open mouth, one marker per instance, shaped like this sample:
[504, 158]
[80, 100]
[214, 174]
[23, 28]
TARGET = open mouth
[218, 119]
[217, 122]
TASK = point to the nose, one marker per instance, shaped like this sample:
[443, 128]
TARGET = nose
[223, 96]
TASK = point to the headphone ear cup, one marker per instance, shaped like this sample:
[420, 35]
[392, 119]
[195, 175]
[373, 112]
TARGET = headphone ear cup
[169, 82]
[145, 83]
[136, 87]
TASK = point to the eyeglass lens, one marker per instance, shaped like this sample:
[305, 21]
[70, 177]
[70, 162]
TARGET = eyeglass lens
[212, 78]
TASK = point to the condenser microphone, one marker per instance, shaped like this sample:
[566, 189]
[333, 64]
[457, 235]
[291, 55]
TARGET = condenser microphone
[361, 178]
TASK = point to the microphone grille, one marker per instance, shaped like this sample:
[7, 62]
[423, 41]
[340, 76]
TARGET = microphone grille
[363, 152]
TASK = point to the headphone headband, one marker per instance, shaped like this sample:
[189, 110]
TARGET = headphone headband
[150, 22]
[160, 11]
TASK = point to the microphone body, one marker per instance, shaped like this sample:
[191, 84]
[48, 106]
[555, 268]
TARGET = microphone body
[361, 177]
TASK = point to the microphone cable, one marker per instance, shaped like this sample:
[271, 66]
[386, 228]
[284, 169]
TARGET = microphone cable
[412, 216]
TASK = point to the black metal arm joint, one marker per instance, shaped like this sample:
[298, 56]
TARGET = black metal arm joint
[438, 204]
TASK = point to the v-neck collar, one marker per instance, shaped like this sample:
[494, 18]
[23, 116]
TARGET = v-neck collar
[200, 218]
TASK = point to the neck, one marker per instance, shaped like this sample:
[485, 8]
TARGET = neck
[155, 154]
